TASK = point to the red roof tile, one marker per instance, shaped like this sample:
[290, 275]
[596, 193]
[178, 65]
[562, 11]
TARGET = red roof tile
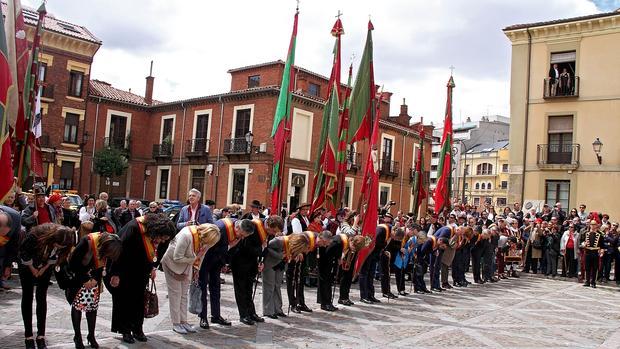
[103, 89]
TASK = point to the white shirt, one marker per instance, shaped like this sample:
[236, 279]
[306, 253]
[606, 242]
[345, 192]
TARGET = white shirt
[296, 224]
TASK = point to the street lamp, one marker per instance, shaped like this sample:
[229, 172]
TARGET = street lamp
[596, 146]
[249, 137]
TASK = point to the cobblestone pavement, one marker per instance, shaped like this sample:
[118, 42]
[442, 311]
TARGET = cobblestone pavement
[517, 313]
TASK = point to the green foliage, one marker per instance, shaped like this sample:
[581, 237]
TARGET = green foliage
[110, 162]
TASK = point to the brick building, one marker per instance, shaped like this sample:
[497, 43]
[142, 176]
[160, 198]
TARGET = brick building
[66, 56]
[221, 144]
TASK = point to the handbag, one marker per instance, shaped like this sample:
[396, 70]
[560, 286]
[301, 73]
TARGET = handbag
[87, 299]
[537, 244]
[64, 276]
[195, 302]
[151, 304]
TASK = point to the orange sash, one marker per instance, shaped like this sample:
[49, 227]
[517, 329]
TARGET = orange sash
[287, 249]
[195, 238]
[151, 253]
[230, 230]
[3, 240]
[260, 229]
[434, 242]
[345, 243]
[93, 241]
[312, 239]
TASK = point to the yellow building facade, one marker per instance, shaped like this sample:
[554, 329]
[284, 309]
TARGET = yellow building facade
[564, 96]
[485, 173]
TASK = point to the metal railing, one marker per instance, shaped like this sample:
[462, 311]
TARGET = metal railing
[562, 87]
[353, 160]
[117, 142]
[558, 154]
[388, 168]
[197, 147]
[48, 91]
[163, 150]
[237, 146]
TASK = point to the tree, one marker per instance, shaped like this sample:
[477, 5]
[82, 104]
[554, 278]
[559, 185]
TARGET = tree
[110, 162]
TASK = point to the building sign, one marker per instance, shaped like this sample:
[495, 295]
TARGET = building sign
[298, 180]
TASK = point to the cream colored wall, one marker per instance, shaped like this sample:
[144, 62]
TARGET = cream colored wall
[596, 113]
[495, 178]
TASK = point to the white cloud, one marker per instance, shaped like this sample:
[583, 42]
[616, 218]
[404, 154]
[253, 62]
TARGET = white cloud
[194, 43]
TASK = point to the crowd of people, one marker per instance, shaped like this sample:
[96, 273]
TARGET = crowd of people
[119, 250]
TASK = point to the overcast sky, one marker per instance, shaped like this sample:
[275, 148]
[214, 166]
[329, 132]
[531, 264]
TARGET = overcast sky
[194, 43]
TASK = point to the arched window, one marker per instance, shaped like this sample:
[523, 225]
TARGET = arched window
[466, 185]
[484, 169]
[489, 186]
[484, 186]
[477, 186]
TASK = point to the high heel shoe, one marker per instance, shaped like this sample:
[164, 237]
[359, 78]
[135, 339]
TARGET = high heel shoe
[41, 343]
[29, 343]
[92, 342]
[78, 342]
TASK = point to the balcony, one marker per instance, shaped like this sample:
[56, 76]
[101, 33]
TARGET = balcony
[563, 88]
[558, 156]
[162, 151]
[44, 141]
[121, 143]
[237, 146]
[388, 168]
[47, 91]
[198, 147]
[354, 161]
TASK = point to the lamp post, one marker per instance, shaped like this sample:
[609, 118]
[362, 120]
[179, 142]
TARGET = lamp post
[597, 145]
[85, 138]
[249, 137]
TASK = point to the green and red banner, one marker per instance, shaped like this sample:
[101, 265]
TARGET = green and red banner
[6, 84]
[363, 94]
[418, 191]
[343, 130]
[441, 196]
[325, 181]
[282, 122]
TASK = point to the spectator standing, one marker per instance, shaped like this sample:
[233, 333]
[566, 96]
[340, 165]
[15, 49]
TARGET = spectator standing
[254, 213]
[39, 212]
[87, 213]
[130, 213]
[195, 213]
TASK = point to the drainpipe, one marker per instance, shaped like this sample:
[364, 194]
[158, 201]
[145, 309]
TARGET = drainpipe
[527, 110]
[90, 181]
[181, 153]
[219, 149]
[402, 173]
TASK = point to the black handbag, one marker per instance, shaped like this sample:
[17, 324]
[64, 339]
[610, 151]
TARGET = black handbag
[64, 276]
[151, 303]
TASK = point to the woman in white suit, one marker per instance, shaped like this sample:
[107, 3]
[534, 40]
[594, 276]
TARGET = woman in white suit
[185, 253]
[569, 249]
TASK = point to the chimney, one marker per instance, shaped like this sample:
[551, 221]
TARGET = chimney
[148, 93]
[404, 109]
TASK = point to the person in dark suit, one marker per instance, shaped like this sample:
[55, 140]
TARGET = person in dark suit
[130, 213]
[366, 277]
[254, 213]
[554, 79]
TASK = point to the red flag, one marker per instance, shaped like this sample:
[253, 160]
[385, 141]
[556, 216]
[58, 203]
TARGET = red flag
[442, 190]
[6, 175]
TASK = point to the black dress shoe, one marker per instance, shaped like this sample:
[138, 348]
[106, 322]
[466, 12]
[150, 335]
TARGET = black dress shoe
[272, 316]
[247, 320]
[280, 314]
[204, 323]
[294, 309]
[29, 343]
[374, 300]
[389, 296]
[403, 293]
[446, 286]
[436, 289]
[587, 284]
[139, 336]
[426, 291]
[257, 318]
[328, 307]
[41, 343]
[220, 321]
[77, 340]
[367, 301]
[346, 302]
[593, 286]
[128, 338]
[304, 307]
[456, 284]
[92, 342]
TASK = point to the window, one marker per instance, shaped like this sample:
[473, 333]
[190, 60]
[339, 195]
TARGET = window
[198, 179]
[557, 191]
[560, 133]
[167, 127]
[118, 129]
[66, 175]
[384, 194]
[467, 168]
[476, 201]
[477, 186]
[301, 135]
[242, 123]
[202, 133]
[163, 183]
[504, 168]
[484, 169]
[433, 167]
[484, 186]
[71, 127]
[489, 186]
[348, 191]
[504, 185]
[253, 81]
[388, 145]
[76, 78]
[314, 90]
[238, 186]
[561, 76]
[435, 155]
[466, 185]
[433, 180]
[501, 202]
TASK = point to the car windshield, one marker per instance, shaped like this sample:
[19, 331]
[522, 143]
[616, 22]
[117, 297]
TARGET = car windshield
[75, 200]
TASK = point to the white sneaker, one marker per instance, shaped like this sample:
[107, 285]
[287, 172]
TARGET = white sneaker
[189, 328]
[179, 328]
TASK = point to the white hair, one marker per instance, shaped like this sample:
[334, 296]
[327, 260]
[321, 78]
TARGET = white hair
[195, 191]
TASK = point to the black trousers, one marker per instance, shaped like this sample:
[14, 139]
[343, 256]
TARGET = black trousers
[476, 261]
[385, 273]
[295, 283]
[29, 282]
[607, 259]
[243, 282]
[367, 288]
[591, 267]
[487, 263]
[400, 278]
[419, 269]
[128, 304]
[324, 292]
[617, 268]
[209, 279]
[458, 266]
[569, 264]
[346, 279]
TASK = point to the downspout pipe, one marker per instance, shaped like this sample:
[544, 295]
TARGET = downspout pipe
[181, 153]
[219, 151]
[92, 159]
[402, 173]
[527, 110]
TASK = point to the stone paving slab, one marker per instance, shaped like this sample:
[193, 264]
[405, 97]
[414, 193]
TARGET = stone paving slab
[530, 312]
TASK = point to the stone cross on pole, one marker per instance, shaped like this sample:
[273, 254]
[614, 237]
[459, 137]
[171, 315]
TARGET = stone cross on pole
[339, 14]
[451, 70]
